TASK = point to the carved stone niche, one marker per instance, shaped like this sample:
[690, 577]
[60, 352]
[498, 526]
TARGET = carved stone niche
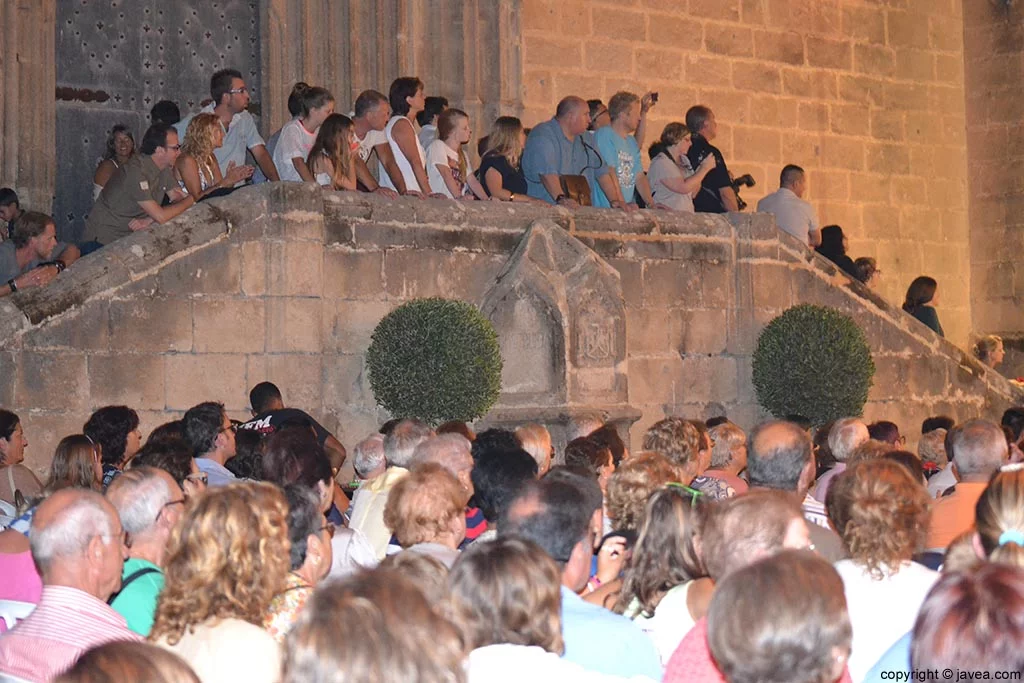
[561, 322]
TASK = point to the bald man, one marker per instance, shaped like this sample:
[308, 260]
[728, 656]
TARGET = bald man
[77, 543]
[557, 148]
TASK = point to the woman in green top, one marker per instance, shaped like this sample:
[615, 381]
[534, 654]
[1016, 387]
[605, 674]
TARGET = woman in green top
[921, 293]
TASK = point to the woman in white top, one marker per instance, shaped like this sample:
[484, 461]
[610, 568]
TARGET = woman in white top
[448, 169]
[331, 158]
[407, 100]
[226, 560]
[506, 597]
[881, 513]
[665, 589]
[196, 169]
[299, 134]
[120, 148]
[673, 182]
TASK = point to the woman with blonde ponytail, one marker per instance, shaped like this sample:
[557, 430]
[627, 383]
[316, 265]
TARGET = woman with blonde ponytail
[999, 517]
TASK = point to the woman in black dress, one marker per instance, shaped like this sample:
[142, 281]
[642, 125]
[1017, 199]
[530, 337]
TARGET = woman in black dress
[833, 247]
[499, 167]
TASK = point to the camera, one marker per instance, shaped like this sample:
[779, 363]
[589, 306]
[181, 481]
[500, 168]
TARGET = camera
[654, 97]
[745, 180]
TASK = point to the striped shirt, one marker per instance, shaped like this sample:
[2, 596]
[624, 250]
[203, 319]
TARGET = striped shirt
[66, 623]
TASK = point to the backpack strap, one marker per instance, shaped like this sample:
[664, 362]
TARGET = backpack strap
[130, 579]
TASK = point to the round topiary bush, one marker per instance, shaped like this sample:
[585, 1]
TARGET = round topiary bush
[813, 361]
[435, 359]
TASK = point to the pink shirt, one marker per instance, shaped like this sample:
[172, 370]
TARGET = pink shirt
[66, 623]
[21, 580]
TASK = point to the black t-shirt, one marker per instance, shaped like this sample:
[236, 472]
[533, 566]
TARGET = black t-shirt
[512, 179]
[269, 422]
[708, 200]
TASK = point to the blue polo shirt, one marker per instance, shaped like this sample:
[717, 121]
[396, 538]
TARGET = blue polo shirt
[549, 152]
[600, 640]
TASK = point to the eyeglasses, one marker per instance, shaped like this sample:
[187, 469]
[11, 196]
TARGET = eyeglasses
[235, 91]
[198, 478]
[329, 528]
[598, 115]
[230, 428]
[174, 147]
[693, 493]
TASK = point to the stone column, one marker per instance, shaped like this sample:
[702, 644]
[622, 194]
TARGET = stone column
[28, 82]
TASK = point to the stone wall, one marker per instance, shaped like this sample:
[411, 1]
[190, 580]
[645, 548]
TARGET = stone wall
[286, 283]
[994, 65]
[868, 96]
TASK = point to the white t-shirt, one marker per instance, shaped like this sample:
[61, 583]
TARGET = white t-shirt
[670, 622]
[507, 663]
[440, 153]
[372, 139]
[226, 650]
[427, 135]
[663, 167]
[792, 214]
[295, 141]
[881, 610]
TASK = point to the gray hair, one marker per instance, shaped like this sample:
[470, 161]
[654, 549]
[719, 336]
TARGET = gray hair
[68, 534]
[368, 455]
[725, 438]
[450, 451]
[846, 435]
[535, 440]
[932, 447]
[979, 447]
[583, 425]
[401, 443]
[138, 495]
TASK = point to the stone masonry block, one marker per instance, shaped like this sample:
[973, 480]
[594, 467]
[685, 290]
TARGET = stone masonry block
[190, 379]
[151, 325]
[805, 82]
[213, 270]
[671, 284]
[848, 119]
[616, 22]
[681, 33]
[353, 274]
[413, 274]
[725, 39]
[348, 325]
[51, 381]
[543, 51]
[85, 328]
[716, 284]
[723, 10]
[756, 77]
[131, 379]
[610, 58]
[294, 325]
[300, 378]
[772, 286]
[254, 268]
[295, 269]
[828, 53]
[649, 332]
[864, 23]
[706, 378]
[653, 380]
[8, 378]
[908, 29]
[631, 277]
[875, 60]
[700, 331]
[779, 46]
[346, 382]
[229, 325]
[45, 429]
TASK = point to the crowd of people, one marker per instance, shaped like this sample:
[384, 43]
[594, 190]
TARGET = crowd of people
[405, 143]
[223, 550]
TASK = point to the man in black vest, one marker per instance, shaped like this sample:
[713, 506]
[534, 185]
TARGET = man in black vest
[717, 194]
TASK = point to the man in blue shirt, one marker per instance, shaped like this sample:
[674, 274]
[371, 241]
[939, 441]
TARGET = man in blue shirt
[621, 151]
[558, 148]
[562, 514]
[210, 435]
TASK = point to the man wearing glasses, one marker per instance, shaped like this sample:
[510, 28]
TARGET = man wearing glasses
[230, 99]
[210, 435]
[133, 198]
[149, 503]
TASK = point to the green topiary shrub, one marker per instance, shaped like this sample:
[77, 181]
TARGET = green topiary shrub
[813, 361]
[435, 359]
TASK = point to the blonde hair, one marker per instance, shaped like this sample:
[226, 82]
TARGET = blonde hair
[446, 126]
[632, 484]
[423, 503]
[332, 141]
[986, 346]
[198, 142]
[535, 440]
[999, 517]
[74, 464]
[505, 141]
[227, 558]
[932, 447]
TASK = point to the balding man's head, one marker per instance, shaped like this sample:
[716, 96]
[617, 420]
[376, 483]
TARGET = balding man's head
[779, 457]
[77, 540]
[979, 449]
[570, 106]
[573, 115]
[846, 435]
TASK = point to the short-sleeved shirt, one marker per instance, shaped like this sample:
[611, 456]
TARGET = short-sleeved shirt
[441, 154]
[792, 214]
[622, 154]
[9, 262]
[241, 136]
[137, 601]
[511, 178]
[549, 152]
[295, 141]
[268, 422]
[138, 180]
[708, 200]
[369, 141]
[663, 167]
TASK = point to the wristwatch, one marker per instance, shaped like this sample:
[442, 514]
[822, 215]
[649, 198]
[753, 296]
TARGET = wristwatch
[560, 198]
[512, 196]
[13, 285]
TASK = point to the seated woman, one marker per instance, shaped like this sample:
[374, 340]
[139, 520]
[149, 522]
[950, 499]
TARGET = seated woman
[120, 148]
[881, 514]
[426, 512]
[782, 618]
[127, 661]
[448, 170]
[674, 183]
[500, 173]
[887, 432]
[665, 589]
[115, 430]
[331, 157]
[867, 271]
[833, 247]
[309, 535]
[17, 482]
[920, 301]
[407, 100]
[226, 560]
[989, 350]
[506, 598]
[299, 135]
[196, 169]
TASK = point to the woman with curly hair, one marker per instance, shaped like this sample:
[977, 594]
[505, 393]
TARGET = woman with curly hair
[331, 157]
[115, 429]
[197, 169]
[226, 560]
[120, 148]
[665, 590]
[882, 514]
